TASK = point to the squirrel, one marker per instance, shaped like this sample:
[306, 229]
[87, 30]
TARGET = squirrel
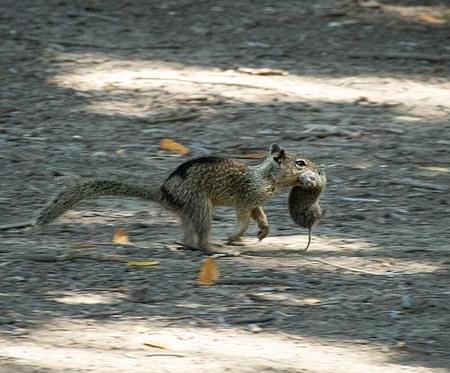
[193, 189]
[303, 201]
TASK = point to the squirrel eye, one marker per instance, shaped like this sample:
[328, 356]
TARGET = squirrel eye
[300, 162]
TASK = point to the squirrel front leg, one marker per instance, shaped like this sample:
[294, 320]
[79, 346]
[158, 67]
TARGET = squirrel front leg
[260, 218]
[242, 221]
[243, 217]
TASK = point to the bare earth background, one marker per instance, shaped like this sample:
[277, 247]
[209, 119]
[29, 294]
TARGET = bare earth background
[89, 88]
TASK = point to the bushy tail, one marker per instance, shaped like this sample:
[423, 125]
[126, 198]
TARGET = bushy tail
[73, 195]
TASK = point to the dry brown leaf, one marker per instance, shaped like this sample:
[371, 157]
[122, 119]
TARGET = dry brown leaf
[428, 18]
[209, 272]
[173, 146]
[143, 264]
[121, 237]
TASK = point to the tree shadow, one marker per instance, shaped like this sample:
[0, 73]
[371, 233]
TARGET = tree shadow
[7, 367]
[52, 131]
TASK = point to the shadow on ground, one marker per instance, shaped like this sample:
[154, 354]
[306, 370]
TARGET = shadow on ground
[63, 116]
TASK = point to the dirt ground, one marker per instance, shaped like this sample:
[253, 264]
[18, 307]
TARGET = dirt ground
[89, 88]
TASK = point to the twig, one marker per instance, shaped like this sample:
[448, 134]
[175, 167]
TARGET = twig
[82, 44]
[261, 71]
[420, 184]
[353, 199]
[291, 283]
[24, 225]
[339, 144]
[98, 16]
[242, 85]
[258, 281]
[253, 320]
[322, 131]
[401, 56]
[174, 118]
[75, 256]
[91, 244]
[352, 269]
[157, 354]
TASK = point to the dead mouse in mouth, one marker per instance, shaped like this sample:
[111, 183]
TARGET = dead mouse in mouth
[303, 200]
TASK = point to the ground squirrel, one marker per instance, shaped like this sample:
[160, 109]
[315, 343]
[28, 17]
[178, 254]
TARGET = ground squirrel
[303, 199]
[194, 188]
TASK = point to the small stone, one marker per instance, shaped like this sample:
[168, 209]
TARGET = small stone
[15, 278]
[140, 295]
[199, 30]
[254, 328]
[6, 320]
[99, 154]
[394, 314]
[406, 302]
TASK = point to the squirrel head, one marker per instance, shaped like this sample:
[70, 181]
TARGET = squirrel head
[289, 167]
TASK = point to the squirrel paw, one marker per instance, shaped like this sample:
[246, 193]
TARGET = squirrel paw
[263, 232]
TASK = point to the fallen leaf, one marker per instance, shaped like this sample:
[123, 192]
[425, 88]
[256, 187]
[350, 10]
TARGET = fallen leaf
[209, 272]
[311, 301]
[173, 146]
[121, 151]
[435, 168]
[427, 18]
[121, 237]
[143, 264]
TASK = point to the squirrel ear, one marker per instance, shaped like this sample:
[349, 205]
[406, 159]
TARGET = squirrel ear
[274, 149]
[277, 153]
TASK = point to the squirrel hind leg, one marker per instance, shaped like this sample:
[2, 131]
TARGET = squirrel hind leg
[202, 221]
[190, 238]
[196, 221]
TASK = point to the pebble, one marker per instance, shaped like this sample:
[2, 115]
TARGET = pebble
[254, 328]
[406, 302]
[6, 320]
[144, 295]
[140, 295]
